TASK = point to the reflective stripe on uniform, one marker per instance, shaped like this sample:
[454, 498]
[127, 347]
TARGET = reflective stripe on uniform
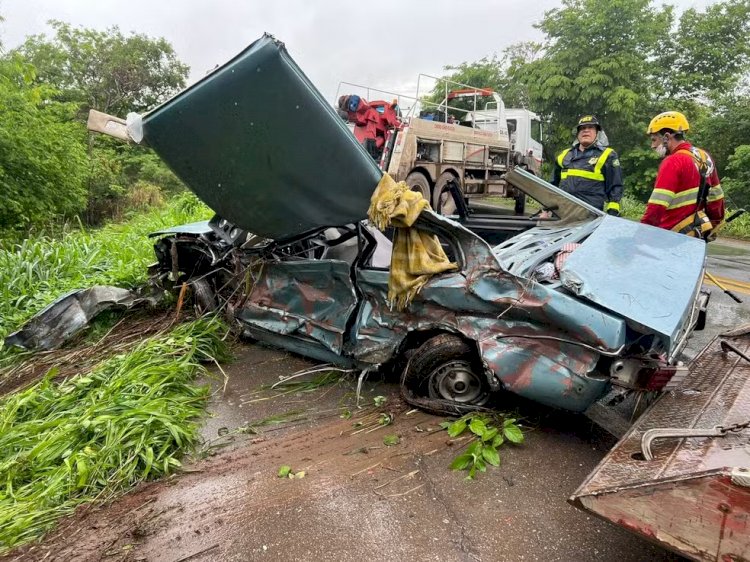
[661, 197]
[562, 156]
[613, 205]
[715, 193]
[684, 198]
[596, 175]
[672, 200]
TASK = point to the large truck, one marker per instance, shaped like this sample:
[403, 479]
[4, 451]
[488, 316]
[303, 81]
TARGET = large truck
[467, 142]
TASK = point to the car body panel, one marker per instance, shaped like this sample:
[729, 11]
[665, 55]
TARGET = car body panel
[648, 275]
[550, 372]
[258, 143]
[567, 208]
[309, 299]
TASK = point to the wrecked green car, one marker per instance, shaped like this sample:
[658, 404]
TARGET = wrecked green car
[563, 307]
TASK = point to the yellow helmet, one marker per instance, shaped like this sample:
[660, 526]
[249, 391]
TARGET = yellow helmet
[668, 120]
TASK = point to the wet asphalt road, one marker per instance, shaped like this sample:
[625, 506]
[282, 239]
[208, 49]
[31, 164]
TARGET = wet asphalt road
[729, 263]
[516, 512]
[361, 499]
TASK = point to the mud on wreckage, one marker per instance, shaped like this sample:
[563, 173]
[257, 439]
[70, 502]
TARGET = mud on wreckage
[570, 307]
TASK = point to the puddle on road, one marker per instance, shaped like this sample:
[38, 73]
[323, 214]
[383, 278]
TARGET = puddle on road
[243, 401]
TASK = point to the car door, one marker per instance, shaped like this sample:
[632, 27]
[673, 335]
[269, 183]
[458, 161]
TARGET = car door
[302, 305]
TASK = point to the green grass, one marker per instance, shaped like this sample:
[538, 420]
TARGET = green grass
[631, 208]
[738, 228]
[127, 420]
[36, 271]
[509, 202]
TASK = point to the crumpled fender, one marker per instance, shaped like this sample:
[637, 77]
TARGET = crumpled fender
[551, 372]
[71, 313]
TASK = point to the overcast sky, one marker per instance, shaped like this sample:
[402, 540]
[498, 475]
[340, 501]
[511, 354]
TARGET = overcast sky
[383, 44]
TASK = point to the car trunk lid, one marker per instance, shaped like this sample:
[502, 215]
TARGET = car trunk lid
[647, 275]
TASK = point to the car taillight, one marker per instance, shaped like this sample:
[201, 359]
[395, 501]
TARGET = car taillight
[666, 378]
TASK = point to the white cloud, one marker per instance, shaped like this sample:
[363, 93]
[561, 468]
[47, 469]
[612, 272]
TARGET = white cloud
[384, 44]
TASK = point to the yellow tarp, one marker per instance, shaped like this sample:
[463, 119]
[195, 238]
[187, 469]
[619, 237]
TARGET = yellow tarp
[417, 255]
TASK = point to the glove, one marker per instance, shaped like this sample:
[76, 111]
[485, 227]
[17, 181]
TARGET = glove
[613, 212]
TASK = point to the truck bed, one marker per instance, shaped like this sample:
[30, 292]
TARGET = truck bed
[694, 496]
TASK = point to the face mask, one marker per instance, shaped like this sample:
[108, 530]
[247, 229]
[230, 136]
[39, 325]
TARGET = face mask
[661, 150]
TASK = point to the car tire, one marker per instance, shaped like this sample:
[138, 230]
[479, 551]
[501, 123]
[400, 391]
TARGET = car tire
[443, 202]
[443, 375]
[204, 296]
[417, 181]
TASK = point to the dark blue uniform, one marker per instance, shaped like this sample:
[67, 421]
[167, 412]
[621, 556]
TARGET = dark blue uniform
[593, 175]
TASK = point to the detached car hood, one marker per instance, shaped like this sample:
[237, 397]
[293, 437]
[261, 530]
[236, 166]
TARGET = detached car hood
[647, 275]
[258, 143]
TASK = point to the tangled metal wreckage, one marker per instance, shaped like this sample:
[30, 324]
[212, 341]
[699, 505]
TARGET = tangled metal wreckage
[554, 306]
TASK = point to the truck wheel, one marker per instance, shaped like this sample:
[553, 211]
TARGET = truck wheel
[444, 203]
[417, 181]
[444, 370]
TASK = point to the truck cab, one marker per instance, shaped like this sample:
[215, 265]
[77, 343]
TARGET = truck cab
[524, 130]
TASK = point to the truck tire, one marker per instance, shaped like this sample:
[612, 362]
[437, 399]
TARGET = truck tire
[443, 200]
[444, 375]
[417, 181]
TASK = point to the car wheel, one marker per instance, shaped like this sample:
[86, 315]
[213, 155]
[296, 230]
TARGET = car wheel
[444, 203]
[417, 181]
[204, 296]
[443, 375]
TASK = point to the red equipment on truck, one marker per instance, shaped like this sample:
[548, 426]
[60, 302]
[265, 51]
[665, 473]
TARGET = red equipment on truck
[463, 145]
[373, 121]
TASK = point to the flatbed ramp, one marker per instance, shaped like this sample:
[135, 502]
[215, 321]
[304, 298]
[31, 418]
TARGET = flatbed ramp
[693, 496]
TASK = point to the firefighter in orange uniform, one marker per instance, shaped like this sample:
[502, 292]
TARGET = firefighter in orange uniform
[687, 195]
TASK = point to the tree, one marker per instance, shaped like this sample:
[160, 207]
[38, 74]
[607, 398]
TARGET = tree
[42, 151]
[725, 132]
[625, 61]
[495, 73]
[737, 183]
[106, 70]
[723, 128]
[707, 53]
[596, 60]
[116, 74]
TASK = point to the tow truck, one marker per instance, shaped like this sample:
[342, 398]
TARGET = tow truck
[467, 142]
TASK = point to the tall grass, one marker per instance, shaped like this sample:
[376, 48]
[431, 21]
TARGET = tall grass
[738, 228]
[129, 419]
[36, 271]
[631, 208]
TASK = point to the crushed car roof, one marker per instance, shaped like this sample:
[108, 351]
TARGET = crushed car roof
[261, 146]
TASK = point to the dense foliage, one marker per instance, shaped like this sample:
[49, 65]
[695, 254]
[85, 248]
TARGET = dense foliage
[43, 165]
[625, 61]
[50, 167]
